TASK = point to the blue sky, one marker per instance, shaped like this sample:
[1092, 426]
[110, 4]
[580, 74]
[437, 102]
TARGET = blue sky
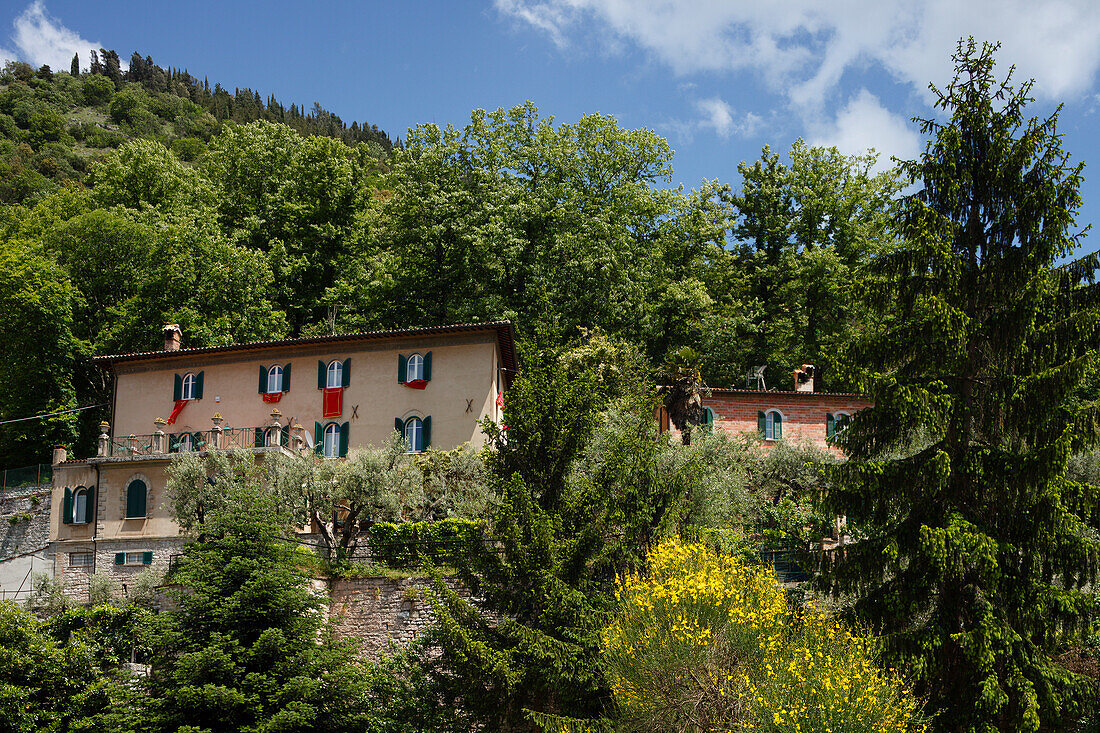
[718, 78]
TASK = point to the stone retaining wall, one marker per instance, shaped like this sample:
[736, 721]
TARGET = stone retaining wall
[24, 538]
[24, 520]
[379, 611]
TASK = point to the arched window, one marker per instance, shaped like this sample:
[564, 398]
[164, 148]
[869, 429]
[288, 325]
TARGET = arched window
[332, 440]
[187, 392]
[837, 423]
[136, 494]
[708, 420]
[80, 506]
[275, 379]
[770, 424]
[414, 434]
[185, 443]
[335, 374]
[415, 368]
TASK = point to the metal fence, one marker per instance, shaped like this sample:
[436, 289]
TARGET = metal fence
[11, 478]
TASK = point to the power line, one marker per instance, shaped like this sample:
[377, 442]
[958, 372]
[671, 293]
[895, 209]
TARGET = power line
[51, 414]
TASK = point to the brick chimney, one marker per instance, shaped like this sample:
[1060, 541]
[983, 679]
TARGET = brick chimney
[172, 336]
[804, 378]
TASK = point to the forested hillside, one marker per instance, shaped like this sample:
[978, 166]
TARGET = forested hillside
[53, 125]
[142, 198]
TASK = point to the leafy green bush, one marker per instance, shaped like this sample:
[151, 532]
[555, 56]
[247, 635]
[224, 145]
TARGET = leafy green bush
[104, 139]
[401, 545]
[98, 90]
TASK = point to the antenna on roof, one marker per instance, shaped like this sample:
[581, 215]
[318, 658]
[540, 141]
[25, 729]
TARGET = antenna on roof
[756, 376]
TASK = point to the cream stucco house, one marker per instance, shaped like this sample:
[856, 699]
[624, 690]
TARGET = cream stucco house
[328, 394]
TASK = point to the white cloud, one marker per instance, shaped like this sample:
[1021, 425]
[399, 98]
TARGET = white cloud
[864, 124]
[803, 47]
[42, 39]
[717, 115]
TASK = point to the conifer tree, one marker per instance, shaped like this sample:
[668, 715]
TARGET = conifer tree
[977, 553]
[74, 67]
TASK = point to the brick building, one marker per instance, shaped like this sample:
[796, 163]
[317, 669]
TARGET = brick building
[802, 414]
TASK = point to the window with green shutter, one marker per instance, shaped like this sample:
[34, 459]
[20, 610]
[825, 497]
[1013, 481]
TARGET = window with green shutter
[136, 497]
[770, 425]
[120, 558]
[67, 507]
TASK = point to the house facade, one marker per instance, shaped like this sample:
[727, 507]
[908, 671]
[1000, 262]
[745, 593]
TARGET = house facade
[322, 395]
[802, 415]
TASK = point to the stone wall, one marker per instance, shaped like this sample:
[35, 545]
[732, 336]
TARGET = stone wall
[20, 535]
[76, 578]
[379, 611]
[24, 537]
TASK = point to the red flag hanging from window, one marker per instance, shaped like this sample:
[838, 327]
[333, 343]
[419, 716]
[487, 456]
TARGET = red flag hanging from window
[272, 396]
[176, 411]
[332, 402]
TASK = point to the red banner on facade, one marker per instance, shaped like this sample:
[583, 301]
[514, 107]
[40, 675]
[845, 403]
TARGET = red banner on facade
[332, 402]
[176, 411]
[272, 396]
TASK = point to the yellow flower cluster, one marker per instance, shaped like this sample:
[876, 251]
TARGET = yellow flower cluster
[707, 642]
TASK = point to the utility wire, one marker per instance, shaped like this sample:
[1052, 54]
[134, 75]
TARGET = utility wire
[51, 414]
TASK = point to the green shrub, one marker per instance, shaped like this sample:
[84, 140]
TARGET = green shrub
[187, 148]
[98, 90]
[402, 545]
[102, 590]
[104, 139]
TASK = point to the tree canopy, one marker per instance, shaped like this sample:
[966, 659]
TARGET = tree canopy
[977, 559]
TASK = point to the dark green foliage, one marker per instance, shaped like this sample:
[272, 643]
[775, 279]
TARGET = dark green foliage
[64, 674]
[246, 650]
[978, 558]
[531, 642]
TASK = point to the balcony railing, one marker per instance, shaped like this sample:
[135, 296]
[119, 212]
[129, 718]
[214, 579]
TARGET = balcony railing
[156, 444]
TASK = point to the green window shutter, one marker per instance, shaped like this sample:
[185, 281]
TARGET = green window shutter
[320, 374]
[259, 437]
[318, 439]
[426, 427]
[284, 435]
[286, 378]
[67, 507]
[147, 557]
[762, 424]
[177, 390]
[399, 426]
[135, 499]
[347, 372]
[120, 558]
[778, 426]
[402, 368]
[198, 386]
[830, 425]
[263, 379]
[89, 505]
[428, 367]
[344, 436]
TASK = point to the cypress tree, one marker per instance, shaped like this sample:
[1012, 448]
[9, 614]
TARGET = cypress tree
[978, 556]
[74, 67]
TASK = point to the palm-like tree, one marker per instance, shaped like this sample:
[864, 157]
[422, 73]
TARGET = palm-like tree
[682, 377]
